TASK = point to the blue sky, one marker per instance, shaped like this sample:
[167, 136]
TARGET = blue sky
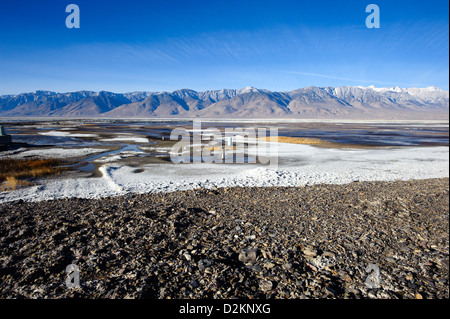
[282, 45]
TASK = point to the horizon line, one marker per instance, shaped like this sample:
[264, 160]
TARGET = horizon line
[223, 89]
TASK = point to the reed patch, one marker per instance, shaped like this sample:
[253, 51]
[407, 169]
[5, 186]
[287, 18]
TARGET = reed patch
[15, 173]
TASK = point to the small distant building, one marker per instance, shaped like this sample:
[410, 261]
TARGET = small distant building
[4, 138]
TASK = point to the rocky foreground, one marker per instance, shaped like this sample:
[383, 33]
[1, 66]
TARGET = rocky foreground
[303, 242]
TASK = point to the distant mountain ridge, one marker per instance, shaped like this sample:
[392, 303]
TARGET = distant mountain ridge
[347, 102]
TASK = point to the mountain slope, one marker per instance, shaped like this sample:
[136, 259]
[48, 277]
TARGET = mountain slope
[310, 103]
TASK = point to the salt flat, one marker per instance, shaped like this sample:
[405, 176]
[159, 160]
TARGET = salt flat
[66, 134]
[127, 139]
[298, 165]
[56, 152]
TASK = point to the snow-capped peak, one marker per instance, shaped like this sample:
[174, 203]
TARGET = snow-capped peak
[248, 89]
[385, 89]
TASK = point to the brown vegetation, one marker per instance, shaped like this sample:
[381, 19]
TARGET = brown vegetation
[12, 183]
[315, 142]
[13, 171]
[298, 140]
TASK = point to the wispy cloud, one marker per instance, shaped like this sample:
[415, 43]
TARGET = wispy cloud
[278, 57]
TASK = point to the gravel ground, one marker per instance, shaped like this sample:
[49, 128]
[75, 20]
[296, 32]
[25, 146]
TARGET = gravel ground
[303, 242]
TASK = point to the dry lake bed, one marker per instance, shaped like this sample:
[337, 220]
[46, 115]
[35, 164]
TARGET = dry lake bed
[347, 210]
[113, 157]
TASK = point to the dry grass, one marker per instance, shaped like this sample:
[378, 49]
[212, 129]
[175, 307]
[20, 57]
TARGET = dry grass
[219, 148]
[316, 142]
[297, 140]
[13, 171]
[12, 183]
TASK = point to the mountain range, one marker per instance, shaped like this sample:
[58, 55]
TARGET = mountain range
[347, 102]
